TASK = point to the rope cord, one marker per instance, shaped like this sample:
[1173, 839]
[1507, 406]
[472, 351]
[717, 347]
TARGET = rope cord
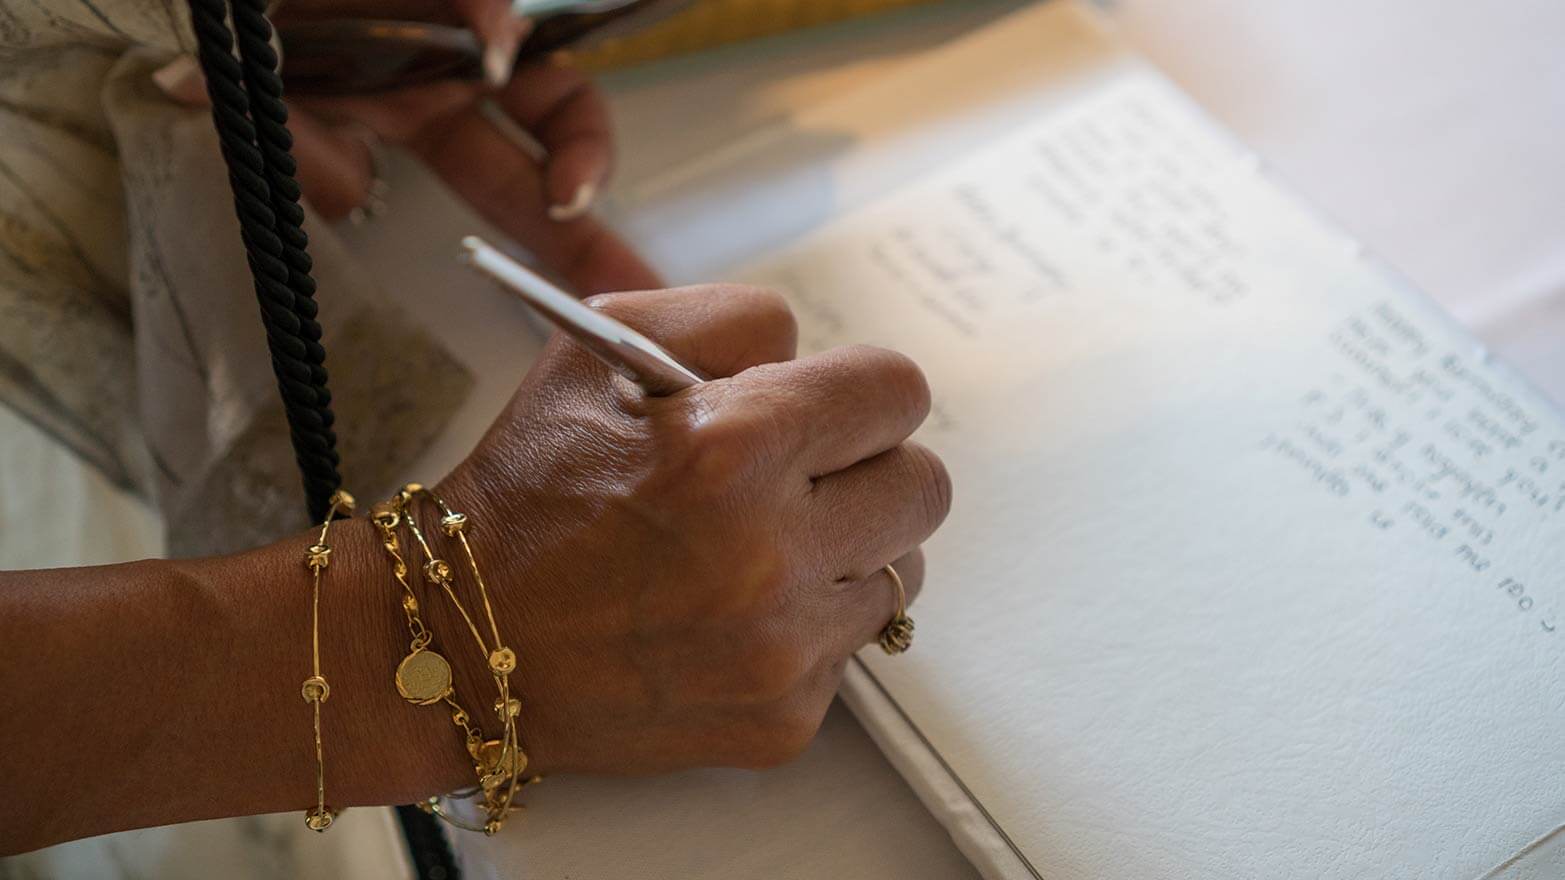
[251, 123]
[252, 127]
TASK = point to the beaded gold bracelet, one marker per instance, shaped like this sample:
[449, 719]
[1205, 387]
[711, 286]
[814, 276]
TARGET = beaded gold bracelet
[500, 763]
[315, 690]
[424, 676]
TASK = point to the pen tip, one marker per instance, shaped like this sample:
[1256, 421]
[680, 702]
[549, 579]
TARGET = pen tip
[471, 245]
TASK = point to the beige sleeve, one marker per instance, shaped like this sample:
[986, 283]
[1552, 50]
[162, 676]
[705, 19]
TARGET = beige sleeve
[114, 25]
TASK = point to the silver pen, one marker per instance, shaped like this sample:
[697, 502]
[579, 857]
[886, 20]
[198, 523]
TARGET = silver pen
[629, 353]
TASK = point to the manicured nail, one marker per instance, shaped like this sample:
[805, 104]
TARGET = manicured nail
[578, 207]
[500, 57]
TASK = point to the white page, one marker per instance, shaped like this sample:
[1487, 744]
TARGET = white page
[1254, 569]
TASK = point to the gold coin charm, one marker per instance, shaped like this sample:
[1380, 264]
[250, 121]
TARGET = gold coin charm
[319, 819]
[423, 677]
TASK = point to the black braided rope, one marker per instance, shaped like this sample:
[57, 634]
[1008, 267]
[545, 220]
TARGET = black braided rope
[259, 62]
[257, 152]
[252, 127]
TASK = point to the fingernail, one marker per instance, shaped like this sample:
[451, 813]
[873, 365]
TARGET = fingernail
[500, 57]
[578, 207]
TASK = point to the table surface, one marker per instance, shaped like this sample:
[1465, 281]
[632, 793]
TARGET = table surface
[1430, 130]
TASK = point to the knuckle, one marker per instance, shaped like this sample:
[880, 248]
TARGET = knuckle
[898, 374]
[759, 580]
[768, 575]
[727, 438]
[768, 674]
[767, 310]
[718, 456]
[931, 480]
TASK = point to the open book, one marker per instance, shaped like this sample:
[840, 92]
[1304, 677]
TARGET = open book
[1257, 565]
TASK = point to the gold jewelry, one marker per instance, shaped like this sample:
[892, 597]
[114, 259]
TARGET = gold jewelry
[897, 636]
[423, 678]
[498, 763]
[315, 690]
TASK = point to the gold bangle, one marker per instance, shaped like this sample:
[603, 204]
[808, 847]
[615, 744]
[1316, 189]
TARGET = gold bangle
[315, 690]
[423, 678]
[500, 763]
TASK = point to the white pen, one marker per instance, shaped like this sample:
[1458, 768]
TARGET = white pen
[629, 353]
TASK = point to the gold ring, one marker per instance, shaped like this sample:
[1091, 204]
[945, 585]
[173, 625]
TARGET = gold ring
[897, 637]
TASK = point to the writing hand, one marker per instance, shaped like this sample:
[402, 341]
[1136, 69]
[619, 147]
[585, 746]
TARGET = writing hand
[687, 576]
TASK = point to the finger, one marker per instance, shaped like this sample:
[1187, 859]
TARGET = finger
[878, 509]
[494, 174]
[561, 107]
[718, 329]
[594, 259]
[854, 612]
[499, 31]
[400, 116]
[335, 169]
[833, 409]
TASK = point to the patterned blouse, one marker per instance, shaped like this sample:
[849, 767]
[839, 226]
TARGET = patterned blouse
[128, 324]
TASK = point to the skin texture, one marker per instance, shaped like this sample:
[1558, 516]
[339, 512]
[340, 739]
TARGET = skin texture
[682, 578]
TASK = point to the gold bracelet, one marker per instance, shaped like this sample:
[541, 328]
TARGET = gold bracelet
[315, 689]
[499, 764]
[423, 678]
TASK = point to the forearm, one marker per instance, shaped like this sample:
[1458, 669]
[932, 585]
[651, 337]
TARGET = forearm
[168, 691]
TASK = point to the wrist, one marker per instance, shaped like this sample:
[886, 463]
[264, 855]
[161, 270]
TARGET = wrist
[377, 748]
[395, 752]
[501, 546]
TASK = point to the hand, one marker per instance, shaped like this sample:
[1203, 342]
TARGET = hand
[686, 577]
[540, 202]
[682, 578]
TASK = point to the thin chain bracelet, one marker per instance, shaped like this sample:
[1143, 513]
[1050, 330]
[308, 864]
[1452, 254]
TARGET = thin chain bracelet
[423, 678]
[502, 662]
[315, 689]
[498, 763]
